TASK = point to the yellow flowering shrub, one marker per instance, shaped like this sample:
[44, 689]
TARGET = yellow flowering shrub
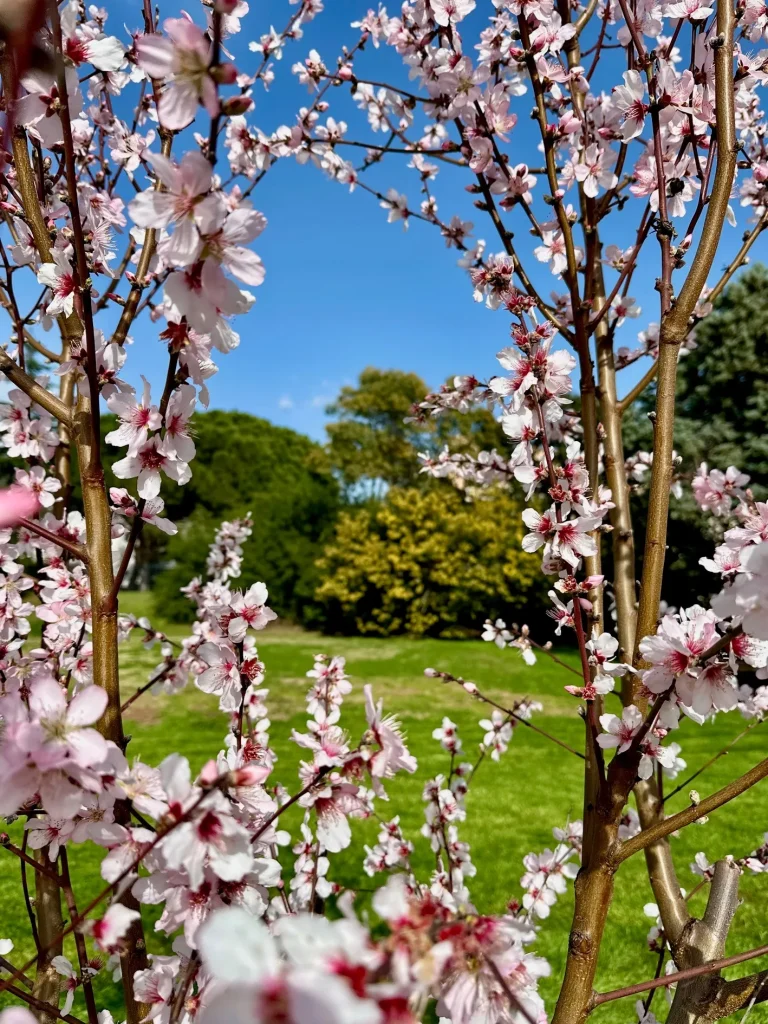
[427, 562]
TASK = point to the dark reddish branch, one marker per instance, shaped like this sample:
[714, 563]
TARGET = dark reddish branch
[67, 545]
[25, 857]
[673, 979]
[75, 922]
[81, 271]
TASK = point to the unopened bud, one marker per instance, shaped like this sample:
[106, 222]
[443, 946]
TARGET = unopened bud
[236, 105]
[209, 774]
[224, 74]
[694, 797]
[431, 673]
[249, 775]
[345, 73]
[469, 687]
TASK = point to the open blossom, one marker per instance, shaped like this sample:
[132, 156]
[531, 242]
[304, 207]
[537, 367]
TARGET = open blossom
[38, 485]
[630, 101]
[38, 110]
[146, 462]
[716, 491]
[249, 611]
[308, 967]
[619, 732]
[49, 743]
[747, 596]
[449, 12]
[60, 278]
[136, 419]
[187, 204]
[393, 755]
[181, 58]
[222, 675]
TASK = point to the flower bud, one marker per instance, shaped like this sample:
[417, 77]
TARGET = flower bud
[236, 105]
[431, 673]
[249, 775]
[345, 73]
[224, 74]
[209, 774]
[694, 797]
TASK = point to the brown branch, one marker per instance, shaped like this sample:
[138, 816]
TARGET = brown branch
[147, 686]
[692, 813]
[716, 757]
[39, 395]
[675, 326]
[25, 857]
[705, 942]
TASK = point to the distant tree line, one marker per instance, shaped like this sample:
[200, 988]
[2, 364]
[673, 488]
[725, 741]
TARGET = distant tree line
[351, 536]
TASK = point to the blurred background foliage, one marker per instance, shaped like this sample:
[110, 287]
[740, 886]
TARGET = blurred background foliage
[351, 537]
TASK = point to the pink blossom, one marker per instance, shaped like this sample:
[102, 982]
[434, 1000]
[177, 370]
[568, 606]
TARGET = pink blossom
[136, 420]
[146, 462]
[182, 57]
[20, 501]
[113, 926]
[619, 732]
[393, 755]
[187, 204]
[60, 278]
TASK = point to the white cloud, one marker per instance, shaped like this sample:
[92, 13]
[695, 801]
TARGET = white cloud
[320, 401]
[285, 402]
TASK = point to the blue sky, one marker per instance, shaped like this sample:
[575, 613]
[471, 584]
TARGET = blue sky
[344, 289]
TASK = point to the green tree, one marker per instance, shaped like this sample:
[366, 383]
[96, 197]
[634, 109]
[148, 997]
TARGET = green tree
[428, 563]
[246, 464]
[721, 415]
[371, 443]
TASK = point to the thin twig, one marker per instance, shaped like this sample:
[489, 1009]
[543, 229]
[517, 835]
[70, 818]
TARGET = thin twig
[678, 976]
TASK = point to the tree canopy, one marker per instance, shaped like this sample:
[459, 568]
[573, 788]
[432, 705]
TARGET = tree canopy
[722, 409]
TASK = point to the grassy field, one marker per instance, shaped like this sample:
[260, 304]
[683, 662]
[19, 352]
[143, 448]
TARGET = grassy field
[512, 805]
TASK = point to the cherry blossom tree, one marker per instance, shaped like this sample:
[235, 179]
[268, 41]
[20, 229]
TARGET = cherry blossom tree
[652, 108]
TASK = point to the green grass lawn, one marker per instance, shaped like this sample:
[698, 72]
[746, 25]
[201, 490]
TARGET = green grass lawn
[512, 806]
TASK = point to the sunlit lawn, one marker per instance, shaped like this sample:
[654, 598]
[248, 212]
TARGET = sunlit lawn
[511, 806]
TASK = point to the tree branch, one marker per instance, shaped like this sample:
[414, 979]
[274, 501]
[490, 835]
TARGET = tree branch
[692, 813]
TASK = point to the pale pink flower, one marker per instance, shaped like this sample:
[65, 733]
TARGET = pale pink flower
[450, 12]
[113, 926]
[187, 204]
[222, 675]
[393, 755]
[251, 976]
[52, 833]
[38, 485]
[60, 278]
[181, 57]
[177, 442]
[21, 501]
[249, 611]
[146, 463]
[136, 419]
[630, 101]
[619, 732]
[38, 110]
